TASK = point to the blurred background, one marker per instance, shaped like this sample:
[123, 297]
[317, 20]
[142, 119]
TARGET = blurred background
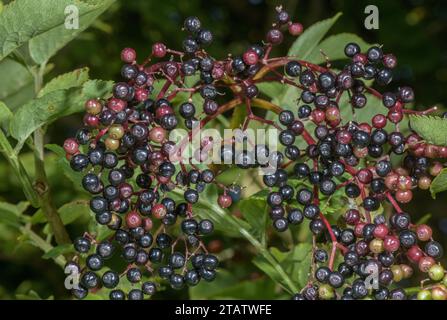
[414, 30]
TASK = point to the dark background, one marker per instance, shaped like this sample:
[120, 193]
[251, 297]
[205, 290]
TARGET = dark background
[414, 30]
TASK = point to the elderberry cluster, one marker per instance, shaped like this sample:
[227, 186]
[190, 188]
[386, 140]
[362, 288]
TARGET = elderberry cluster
[128, 166]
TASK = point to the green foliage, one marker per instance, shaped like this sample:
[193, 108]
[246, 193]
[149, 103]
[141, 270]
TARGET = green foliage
[228, 286]
[310, 39]
[66, 81]
[5, 115]
[431, 129]
[44, 32]
[333, 46]
[439, 183]
[16, 83]
[53, 105]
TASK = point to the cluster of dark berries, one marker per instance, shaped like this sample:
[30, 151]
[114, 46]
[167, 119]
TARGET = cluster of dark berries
[134, 171]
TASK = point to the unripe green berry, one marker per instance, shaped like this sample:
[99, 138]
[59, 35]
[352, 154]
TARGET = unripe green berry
[116, 132]
[424, 295]
[436, 272]
[112, 144]
[326, 292]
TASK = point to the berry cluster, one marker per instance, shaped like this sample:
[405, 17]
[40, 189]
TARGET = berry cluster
[131, 168]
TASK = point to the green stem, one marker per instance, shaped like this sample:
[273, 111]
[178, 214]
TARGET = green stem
[41, 184]
[19, 170]
[42, 244]
[261, 249]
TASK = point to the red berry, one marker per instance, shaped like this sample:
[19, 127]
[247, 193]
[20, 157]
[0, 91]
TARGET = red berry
[163, 111]
[128, 55]
[159, 50]
[404, 196]
[126, 190]
[344, 136]
[133, 219]
[250, 57]
[442, 152]
[157, 134]
[391, 181]
[436, 169]
[332, 114]
[93, 106]
[141, 94]
[358, 229]
[218, 71]
[431, 151]
[224, 201]
[91, 121]
[158, 211]
[425, 263]
[116, 105]
[365, 127]
[352, 216]
[71, 146]
[415, 254]
[391, 243]
[424, 232]
[318, 116]
[389, 61]
[381, 231]
[147, 224]
[364, 176]
[419, 150]
[379, 121]
[395, 116]
[295, 29]
[360, 57]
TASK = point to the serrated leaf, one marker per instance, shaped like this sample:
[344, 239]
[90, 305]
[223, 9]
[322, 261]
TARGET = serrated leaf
[44, 46]
[431, 129]
[41, 111]
[57, 251]
[311, 37]
[41, 23]
[97, 89]
[68, 80]
[54, 105]
[334, 46]
[439, 183]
